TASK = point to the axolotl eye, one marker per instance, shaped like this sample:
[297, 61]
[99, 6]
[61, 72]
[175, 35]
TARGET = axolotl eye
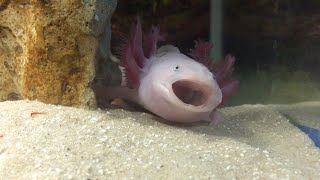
[176, 68]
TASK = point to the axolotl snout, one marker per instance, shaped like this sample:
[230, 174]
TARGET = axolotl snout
[169, 83]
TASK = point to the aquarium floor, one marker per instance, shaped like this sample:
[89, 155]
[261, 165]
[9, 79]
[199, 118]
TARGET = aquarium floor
[255, 141]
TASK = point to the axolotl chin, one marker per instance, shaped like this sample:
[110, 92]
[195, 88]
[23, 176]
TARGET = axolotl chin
[169, 83]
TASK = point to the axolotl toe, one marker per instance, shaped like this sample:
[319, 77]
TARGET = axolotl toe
[170, 84]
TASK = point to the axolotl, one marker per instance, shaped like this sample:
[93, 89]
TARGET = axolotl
[170, 84]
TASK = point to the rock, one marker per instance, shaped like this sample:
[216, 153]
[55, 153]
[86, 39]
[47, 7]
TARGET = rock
[48, 49]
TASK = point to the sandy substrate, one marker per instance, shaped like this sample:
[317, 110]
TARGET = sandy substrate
[254, 141]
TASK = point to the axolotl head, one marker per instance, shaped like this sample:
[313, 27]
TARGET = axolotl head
[171, 84]
[177, 87]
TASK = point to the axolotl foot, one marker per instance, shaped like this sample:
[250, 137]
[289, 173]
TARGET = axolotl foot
[215, 118]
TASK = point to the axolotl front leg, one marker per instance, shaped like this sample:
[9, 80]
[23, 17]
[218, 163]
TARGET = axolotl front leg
[215, 118]
[113, 92]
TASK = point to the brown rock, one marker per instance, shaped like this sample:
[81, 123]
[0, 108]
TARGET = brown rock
[48, 48]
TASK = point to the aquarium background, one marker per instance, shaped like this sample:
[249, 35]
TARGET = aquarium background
[276, 43]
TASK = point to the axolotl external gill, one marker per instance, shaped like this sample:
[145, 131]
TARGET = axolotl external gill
[169, 83]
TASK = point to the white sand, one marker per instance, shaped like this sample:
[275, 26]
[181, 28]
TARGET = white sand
[68, 143]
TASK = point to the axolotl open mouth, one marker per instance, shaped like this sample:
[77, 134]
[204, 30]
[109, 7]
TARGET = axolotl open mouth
[193, 93]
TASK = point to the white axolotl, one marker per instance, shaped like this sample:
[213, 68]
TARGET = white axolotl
[171, 84]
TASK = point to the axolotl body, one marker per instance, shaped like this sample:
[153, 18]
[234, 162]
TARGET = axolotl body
[171, 84]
